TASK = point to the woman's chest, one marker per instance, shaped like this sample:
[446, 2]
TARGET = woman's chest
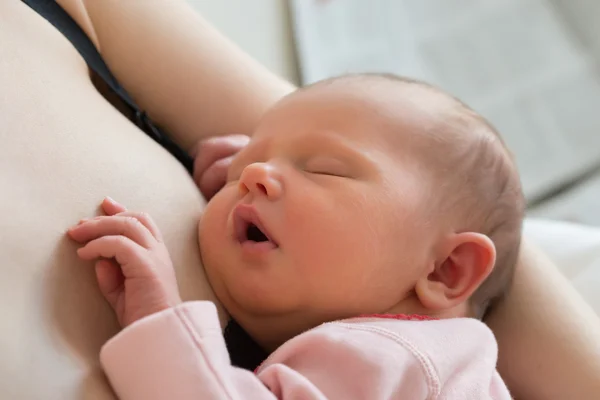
[63, 147]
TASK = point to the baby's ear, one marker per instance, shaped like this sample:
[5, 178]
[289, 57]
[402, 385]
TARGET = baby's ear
[467, 259]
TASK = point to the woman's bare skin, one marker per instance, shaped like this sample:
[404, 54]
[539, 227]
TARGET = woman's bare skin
[63, 148]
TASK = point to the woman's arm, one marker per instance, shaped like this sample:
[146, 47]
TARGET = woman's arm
[191, 80]
[549, 338]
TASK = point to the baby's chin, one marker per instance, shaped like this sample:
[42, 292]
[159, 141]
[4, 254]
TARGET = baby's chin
[257, 299]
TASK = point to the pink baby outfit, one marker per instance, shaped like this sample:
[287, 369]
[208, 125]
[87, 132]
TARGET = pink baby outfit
[180, 354]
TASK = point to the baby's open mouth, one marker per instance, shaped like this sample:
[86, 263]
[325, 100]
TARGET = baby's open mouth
[249, 228]
[254, 234]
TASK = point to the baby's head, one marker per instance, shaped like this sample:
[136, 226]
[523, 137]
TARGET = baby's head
[358, 195]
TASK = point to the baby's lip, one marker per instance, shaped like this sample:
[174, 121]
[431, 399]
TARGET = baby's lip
[243, 216]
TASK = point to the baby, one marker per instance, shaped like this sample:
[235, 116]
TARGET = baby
[368, 216]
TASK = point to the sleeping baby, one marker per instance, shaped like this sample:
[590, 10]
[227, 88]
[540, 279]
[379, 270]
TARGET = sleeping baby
[360, 236]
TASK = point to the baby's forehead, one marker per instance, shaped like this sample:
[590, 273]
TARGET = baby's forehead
[410, 111]
[399, 103]
[373, 111]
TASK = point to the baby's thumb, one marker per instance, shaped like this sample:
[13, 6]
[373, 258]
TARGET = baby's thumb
[214, 178]
[110, 281]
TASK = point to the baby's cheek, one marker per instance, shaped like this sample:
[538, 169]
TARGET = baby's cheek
[326, 228]
[337, 242]
[212, 227]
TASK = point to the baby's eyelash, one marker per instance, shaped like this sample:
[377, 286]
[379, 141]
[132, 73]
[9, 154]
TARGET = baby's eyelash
[326, 173]
[326, 166]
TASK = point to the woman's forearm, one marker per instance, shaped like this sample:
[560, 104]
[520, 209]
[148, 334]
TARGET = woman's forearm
[190, 78]
[548, 337]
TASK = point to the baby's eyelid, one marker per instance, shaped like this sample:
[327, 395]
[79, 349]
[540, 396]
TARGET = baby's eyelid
[326, 165]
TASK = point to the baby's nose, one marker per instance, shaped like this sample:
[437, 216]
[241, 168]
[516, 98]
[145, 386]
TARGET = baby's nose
[261, 179]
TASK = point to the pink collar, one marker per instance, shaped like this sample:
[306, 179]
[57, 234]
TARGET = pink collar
[402, 317]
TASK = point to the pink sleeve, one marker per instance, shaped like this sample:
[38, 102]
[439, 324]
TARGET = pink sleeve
[177, 354]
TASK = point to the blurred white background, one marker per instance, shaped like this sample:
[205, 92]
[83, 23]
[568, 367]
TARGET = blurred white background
[530, 66]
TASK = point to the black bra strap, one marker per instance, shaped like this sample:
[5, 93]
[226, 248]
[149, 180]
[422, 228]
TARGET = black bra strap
[62, 21]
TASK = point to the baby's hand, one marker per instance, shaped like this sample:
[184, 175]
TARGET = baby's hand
[212, 158]
[134, 270]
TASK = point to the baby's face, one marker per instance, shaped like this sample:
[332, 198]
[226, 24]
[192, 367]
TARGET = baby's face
[324, 213]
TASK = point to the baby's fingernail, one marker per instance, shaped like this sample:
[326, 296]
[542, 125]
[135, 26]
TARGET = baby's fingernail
[110, 199]
[82, 220]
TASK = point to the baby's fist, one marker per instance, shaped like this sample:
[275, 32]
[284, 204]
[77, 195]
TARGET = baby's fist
[212, 158]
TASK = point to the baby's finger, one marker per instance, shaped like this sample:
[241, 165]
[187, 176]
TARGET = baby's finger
[215, 177]
[110, 281]
[145, 220]
[127, 226]
[213, 149]
[112, 207]
[128, 254]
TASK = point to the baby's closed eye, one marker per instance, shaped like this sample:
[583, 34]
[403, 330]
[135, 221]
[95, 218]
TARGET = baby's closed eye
[323, 165]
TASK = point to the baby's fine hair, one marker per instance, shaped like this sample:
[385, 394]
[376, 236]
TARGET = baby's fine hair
[476, 183]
